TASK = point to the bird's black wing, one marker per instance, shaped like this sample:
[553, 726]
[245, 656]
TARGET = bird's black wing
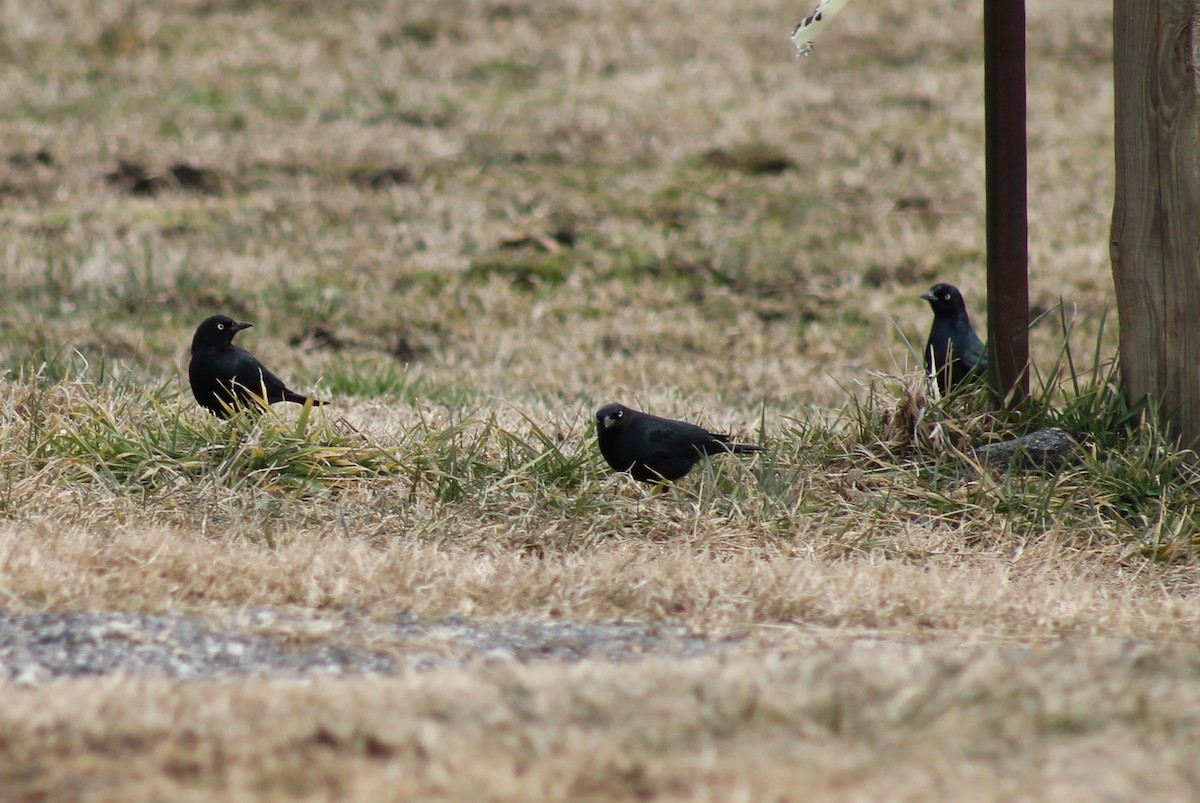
[276, 389]
[253, 377]
[981, 360]
[954, 352]
[971, 350]
[667, 438]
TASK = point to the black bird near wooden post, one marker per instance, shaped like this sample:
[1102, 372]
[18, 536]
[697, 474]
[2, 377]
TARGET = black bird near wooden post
[953, 353]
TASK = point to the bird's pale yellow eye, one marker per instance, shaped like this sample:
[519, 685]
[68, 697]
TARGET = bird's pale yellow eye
[220, 326]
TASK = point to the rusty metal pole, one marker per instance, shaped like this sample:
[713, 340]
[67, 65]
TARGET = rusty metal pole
[1007, 209]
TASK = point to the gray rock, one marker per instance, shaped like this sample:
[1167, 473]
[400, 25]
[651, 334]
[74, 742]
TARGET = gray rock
[1045, 450]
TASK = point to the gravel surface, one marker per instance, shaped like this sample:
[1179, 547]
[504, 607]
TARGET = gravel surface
[39, 647]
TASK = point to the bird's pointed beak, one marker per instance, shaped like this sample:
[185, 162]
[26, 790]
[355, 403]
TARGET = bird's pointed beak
[928, 296]
[237, 327]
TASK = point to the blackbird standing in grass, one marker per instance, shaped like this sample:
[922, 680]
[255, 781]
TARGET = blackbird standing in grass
[655, 449]
[225, 377]
[953, 353]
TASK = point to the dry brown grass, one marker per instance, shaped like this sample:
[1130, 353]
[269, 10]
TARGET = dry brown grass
[717, 288]
[683, 575]
[584, 223]
[861, 719]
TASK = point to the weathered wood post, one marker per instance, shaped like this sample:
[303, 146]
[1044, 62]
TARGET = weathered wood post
[1007, 210]
[1155, 242]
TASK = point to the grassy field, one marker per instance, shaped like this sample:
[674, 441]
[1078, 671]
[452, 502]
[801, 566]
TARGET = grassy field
[470, 223]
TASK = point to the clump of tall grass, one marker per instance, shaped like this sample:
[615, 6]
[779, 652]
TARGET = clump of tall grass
[897, 453]
[144, 441]
[1130, 485]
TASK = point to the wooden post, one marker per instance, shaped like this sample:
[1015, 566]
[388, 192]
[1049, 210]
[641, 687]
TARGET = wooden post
[1007, 208]
[1155, 242]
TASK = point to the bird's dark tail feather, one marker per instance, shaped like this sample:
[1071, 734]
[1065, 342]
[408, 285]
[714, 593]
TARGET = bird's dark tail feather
[723, 444]
[299, 398]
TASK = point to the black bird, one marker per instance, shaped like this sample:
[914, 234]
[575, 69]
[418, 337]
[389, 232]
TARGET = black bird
[655, 449]
[952, 340]
[225, 377]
